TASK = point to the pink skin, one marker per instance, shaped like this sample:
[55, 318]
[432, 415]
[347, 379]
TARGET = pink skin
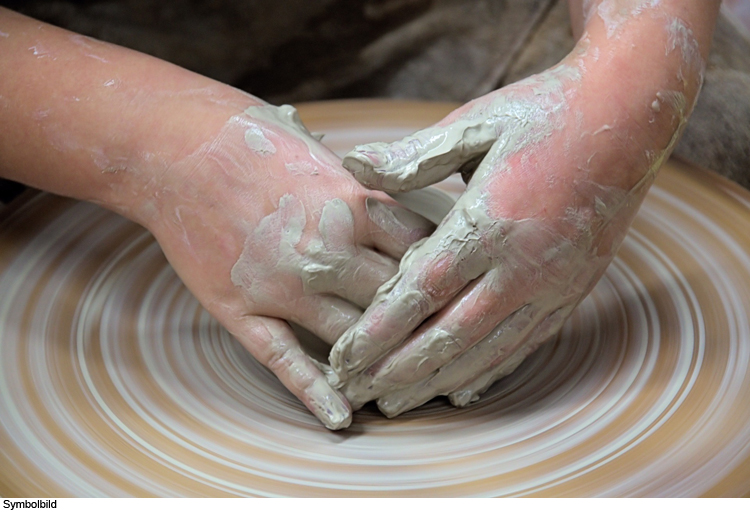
[166, 148]
[549, 207]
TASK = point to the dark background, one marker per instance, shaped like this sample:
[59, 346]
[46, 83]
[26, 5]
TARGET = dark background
[301, 50]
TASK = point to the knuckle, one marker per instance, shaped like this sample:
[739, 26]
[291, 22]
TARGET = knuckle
[280, 360]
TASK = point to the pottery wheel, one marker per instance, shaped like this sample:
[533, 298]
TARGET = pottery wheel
[114, 381]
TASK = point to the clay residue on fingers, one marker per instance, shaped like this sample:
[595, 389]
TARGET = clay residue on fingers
[327, 258]
[476, 242]
[328, 406]
[275, 245]
[505, 122]
[271, 244]
[399, 223]
[281, 353]
[329, 263]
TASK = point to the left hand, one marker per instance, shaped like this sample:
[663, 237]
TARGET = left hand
[265, 227]
[562, 174]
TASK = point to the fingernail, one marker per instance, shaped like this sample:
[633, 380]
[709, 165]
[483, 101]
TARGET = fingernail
[348, 353]
[332, 409]
[363, 166]
[369, 154]
[462, 398]
[397, 221]
[390, 407]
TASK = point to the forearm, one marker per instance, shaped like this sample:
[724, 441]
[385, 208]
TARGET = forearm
[644, 62]
[95, 121]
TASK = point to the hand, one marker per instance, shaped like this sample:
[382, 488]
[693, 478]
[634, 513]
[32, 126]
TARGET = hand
[559, 171]
[259, 220]
[264, 225]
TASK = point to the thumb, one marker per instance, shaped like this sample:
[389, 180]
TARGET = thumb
[426, 157]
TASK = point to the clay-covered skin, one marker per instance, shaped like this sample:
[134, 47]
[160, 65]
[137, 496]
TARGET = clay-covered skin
[567, 157]
[261, 222]
[265, 226]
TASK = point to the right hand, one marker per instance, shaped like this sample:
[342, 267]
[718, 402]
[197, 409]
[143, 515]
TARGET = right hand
[561, 162]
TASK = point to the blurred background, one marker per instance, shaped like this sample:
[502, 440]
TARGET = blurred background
[290, 51]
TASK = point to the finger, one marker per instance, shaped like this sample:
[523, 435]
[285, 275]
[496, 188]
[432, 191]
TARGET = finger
[338, 266]
[367, 272]
[353, 278]
[393, 228]
[467, 320]
[431, 274]
[272, 342]
[473, 390]
[477, 387]
[426, 157]
[499, 344]
[493, 357]
[327, 317]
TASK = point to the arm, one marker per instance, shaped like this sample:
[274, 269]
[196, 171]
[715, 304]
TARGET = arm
[260, 221]
[95, 121]
[567, 157]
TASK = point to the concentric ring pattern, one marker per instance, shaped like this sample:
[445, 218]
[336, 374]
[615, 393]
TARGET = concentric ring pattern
[114, 381]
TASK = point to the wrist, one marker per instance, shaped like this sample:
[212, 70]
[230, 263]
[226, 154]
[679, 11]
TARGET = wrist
[108, 132]
[166, 148]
